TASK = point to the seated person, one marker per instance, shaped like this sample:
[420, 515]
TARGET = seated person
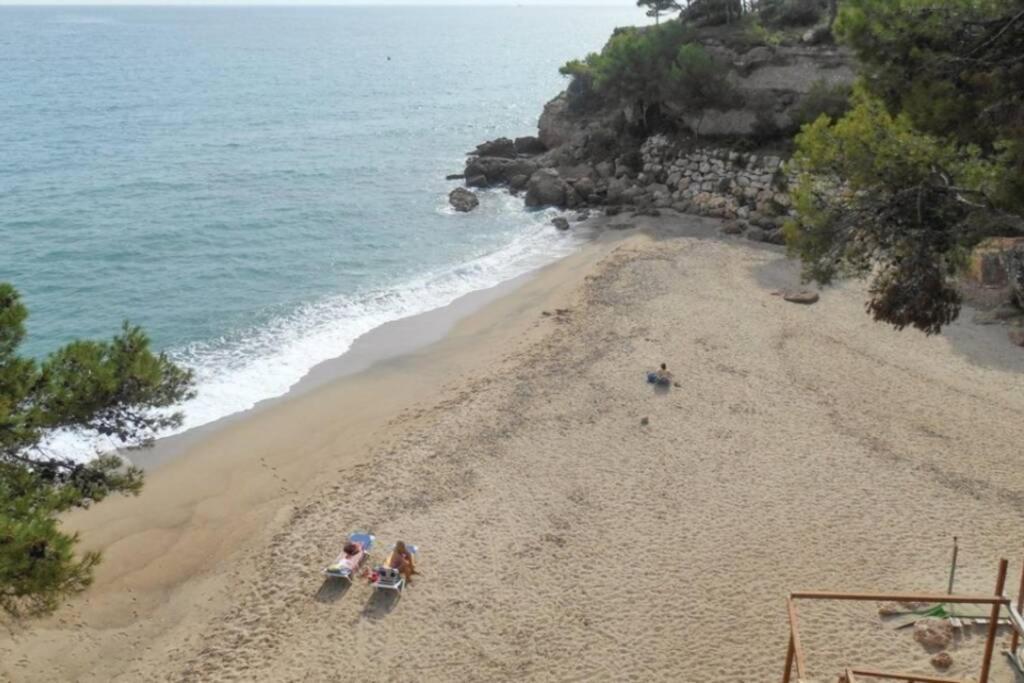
[661, 377]
[402, 560]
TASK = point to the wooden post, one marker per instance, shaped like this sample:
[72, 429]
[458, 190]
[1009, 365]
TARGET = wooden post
[789, 658]
[993, 624]
[1020, 610]
[952, 568]
[798, 651]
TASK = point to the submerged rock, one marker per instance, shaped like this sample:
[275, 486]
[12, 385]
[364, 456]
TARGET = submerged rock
[463, 200]
[560, 223]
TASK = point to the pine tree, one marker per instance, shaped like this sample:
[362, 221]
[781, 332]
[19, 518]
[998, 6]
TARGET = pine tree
[655, 8]
[117, 389]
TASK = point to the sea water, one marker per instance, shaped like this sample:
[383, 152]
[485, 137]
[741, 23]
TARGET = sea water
[258, 187]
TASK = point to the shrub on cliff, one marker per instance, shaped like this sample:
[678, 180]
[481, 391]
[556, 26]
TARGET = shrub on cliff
[786, 13]
[117, 389]
[656, 69]
[929, 160]
[822, 99]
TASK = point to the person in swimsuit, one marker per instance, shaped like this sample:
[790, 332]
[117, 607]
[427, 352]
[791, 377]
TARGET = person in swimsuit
[401, 559]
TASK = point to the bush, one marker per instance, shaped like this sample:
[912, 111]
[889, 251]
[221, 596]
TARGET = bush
[831, 100]
[782, 13]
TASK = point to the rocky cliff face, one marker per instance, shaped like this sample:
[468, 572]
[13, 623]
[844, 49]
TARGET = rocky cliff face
[713, 163]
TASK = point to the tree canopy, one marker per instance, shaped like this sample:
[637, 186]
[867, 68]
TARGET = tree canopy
[655, 8]
[118, 389]
[929, 160]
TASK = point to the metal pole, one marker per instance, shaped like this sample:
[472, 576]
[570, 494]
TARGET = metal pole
[952, 567]
[993, 624]
[1020, 610]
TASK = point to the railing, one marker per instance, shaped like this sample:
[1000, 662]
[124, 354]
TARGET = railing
[795, 655]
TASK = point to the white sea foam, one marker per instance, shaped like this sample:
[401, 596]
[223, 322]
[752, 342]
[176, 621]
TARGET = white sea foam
[263, 363]
[234, 374]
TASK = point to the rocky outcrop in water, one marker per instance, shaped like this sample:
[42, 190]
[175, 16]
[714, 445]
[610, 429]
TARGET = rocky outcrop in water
[463, 200]
[713, 163]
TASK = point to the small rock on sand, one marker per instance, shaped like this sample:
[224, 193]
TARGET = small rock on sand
[934, 634]
[800, 296]
[732, 228]
[943, 661]
[644, 421]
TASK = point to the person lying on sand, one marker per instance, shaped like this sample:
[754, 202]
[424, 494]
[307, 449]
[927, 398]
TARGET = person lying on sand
[401, 559]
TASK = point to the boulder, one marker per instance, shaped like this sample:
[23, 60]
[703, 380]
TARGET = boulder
[463, 200]
[555, 127]
[501, 147]
[800, 296]
[455, 176]
[529, 144]
[731, 228]
[934, 634]
[560, 223]
[497, 170]
[942, 660]
[1014, 263]
[775, 237]
[518, 182]
[476, 180]
[1017, 336]
[612, 210]
[545, 188]
[583, 215]
[584, 188]
[755, 234]
[992, 261]
[816, 35]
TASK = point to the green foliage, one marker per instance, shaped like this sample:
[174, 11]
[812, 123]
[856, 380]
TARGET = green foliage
[929, 160]
[756, 33]
[879, 197]
[791, 13]
[655, 8]
[831, 100]
[696, 81]
[118, 389]
[656, 67]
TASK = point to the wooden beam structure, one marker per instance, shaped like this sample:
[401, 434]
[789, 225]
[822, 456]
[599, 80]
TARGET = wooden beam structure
[903, 597]
[993, 624]
[795, 653]
[851, 676]
[794, 634]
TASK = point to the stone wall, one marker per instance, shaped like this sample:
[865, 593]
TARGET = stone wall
[748, 188]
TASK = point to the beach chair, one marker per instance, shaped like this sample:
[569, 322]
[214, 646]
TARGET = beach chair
[346, 566]
[388, 578]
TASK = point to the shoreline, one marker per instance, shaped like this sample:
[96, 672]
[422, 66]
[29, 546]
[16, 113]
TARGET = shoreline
[384, 343]
[516, 443]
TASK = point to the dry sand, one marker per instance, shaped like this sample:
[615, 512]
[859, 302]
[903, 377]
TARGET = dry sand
[561, 540]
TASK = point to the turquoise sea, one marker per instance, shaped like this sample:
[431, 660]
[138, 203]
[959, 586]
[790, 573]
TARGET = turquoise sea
[258, 187]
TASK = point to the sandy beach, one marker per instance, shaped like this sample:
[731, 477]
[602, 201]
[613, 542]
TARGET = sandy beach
[806, 447]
